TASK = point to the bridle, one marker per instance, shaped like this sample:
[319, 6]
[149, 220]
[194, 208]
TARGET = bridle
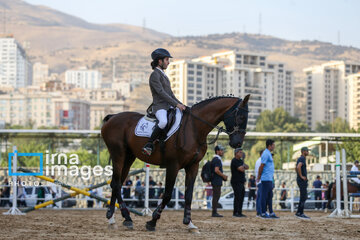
[231, 113]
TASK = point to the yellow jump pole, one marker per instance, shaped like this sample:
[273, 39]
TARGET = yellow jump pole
[79, 191]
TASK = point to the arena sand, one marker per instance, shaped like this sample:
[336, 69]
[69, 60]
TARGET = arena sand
[92, 224]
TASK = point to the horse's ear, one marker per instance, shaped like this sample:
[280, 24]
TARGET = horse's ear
[245, 101]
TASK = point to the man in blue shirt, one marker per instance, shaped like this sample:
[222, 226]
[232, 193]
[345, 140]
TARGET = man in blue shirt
[302, 182]
[266, 175]
[317, 184]
[217, 179]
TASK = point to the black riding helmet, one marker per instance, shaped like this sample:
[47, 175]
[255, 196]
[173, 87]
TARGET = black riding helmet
[160, 53]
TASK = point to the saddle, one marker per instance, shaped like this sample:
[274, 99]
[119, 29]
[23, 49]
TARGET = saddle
[171, 117]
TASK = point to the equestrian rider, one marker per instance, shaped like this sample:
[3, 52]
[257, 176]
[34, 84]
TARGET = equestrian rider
[163, 97]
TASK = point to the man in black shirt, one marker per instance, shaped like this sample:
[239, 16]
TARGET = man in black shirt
[302, 182]
[218, 177]
[238, 180]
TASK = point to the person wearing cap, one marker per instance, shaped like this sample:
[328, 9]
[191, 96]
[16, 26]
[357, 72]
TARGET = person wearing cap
[238, 180]
[302, 182]
[355, 168]
[266, 175]
[217, 179]
[163, 96]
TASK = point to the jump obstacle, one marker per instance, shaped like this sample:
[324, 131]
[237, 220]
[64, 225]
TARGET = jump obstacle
[41, 205]
[338, 212]
[15, 211]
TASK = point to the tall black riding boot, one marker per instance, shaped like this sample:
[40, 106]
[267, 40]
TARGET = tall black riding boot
[149, 146]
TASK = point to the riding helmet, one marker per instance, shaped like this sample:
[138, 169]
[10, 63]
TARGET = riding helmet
[160, 53]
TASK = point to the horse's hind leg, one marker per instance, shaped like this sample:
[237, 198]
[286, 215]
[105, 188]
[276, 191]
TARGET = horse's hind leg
[125, 171]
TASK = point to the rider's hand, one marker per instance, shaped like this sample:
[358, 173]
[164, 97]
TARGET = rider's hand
[181, 107]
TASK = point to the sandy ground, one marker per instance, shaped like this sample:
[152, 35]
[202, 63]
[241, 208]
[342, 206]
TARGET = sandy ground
[76, 224]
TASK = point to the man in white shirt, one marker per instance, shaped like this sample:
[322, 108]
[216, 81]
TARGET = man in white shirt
[258, 184]
[355, 168]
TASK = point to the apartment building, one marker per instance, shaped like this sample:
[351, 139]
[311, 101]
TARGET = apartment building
[83, 78]
[327, 91]
[270, 84]
[15, 68]
[353, 81]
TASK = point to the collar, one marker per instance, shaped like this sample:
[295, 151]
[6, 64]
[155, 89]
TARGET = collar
[161, 71]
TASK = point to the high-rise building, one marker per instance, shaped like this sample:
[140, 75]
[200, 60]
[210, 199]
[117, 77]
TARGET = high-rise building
[353, 81]
[327, 91]
[270, 84]
[83, 78]
[40, 74]
[15, 68]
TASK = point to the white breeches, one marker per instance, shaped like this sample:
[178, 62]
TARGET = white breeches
[161, 115]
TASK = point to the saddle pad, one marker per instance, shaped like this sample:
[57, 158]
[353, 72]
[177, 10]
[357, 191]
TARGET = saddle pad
[144, 127]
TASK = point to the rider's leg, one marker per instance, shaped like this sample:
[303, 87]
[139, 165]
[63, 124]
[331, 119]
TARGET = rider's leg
[161, 115]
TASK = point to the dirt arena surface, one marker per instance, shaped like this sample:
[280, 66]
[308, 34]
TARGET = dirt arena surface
[77, 224]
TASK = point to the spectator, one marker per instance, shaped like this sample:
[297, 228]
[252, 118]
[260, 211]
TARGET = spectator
[137, 187]
[355, 168]
[266, 175]
[317, 184]
[209, 194]
[127, 189]
[238, 168]
[283, 195]
[302, 182]
[160, 191]
[5, 193]
[152, 185]
[218, 177]
[20, 194]
[252, 189]
[258, 184]
[53, 190]
[40, 194]
[326, 186]
[89, 200]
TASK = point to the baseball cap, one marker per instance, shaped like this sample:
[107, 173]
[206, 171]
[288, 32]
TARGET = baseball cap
[219, 147]
[304, 149]
[237, 149]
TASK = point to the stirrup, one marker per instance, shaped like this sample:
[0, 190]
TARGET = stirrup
[148, 149]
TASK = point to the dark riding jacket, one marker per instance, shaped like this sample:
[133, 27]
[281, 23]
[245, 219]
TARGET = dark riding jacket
[163, 96]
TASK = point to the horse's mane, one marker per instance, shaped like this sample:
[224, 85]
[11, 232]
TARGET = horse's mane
[210, 99]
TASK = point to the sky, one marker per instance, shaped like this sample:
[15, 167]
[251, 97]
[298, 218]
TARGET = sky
[335, 21]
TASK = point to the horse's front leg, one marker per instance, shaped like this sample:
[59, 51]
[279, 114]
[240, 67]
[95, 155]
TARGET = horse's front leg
[191, 173]
[171, 174]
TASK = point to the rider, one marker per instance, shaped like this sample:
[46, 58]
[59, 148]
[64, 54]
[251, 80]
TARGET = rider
[163, 97]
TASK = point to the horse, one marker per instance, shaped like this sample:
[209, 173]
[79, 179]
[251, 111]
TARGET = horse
[185, 149]
[331, 192]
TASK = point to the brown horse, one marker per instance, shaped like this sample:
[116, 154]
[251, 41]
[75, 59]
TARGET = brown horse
[184, 149]
[331, 192]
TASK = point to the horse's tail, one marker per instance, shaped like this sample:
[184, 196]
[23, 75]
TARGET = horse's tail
[107, 117]
[109, 160]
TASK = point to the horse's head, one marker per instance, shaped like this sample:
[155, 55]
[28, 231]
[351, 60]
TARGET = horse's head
[235, 121]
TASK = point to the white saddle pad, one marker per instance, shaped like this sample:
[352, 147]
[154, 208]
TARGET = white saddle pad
[144, 128]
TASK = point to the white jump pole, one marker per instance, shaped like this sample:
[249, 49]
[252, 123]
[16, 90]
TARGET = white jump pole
[14, 210]
[337, 211]
[147, 210]
[346, 212]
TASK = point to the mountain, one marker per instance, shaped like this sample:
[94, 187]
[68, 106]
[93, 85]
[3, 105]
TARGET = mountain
[64, 41]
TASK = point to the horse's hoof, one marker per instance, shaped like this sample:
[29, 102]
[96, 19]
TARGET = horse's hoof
[150, 226]
[109, 214]
[194, 230]
[112, 226]
[128, 224]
